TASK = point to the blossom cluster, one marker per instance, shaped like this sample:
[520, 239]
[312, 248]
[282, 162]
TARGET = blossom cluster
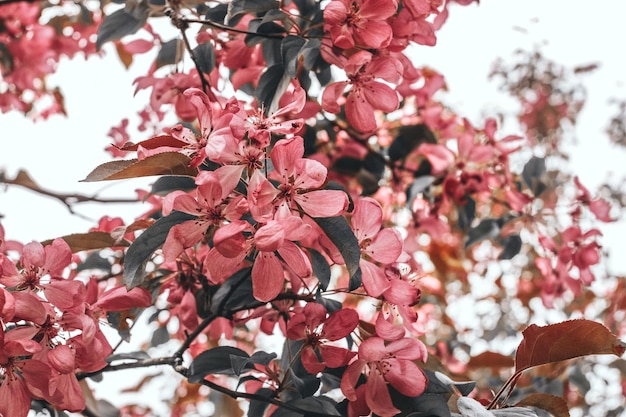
[30, 51]
[319, 217]
[50, 325]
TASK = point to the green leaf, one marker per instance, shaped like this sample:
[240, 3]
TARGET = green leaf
[218, 360]
[6, 59]
[205, 57]
[408, 139]
[272, 85]
[486, 229]
[339, 232]
[291, 48]
[121, 23]
[315, 405]
[257, 406]
[533, 172]
[144, 246]
[321, 269]
[512, 245]
[168, 183]
[238, 8]
[233, 294]
[161, 335]
[94, 261]
[132, 356]
[170, 53]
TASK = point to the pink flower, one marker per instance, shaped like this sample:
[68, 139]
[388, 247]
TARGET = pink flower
[312, 326]
[598, 206]
[385, 360]
[276, 251]
[23, 378]
[170, 90]
[8, 245]
[359, 22]
[210, 202]
[260, 127]
[366, 93]
[120, 137]
[382, 246]
[41, 270]
[300, 179]
[577, 251]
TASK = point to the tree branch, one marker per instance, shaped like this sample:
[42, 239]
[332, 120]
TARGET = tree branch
[22, 179]
[169, 360]
[172, 361]
[226, 28]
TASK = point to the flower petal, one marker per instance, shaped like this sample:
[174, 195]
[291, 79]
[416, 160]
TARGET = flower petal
[322, 203]
[340, 324]
[374, 280]
[377, 396]
[406, 377]
[386, 246]
[367, 218]
[268, 277]
[350, 378]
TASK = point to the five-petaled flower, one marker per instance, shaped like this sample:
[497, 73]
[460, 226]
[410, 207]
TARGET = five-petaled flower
[378, 246]
[315, 329]
[366, 93]
[359, 22]
[300, 180]
[387, 358]
[41, 271]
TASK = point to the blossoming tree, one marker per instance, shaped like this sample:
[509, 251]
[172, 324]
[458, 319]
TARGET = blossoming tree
[314, 189]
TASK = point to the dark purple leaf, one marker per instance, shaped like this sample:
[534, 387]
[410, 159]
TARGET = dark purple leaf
[218, 360]
[144, 246]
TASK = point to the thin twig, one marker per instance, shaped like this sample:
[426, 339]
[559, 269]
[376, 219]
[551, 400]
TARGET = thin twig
[169, 360]
[234, 30]
[67, 199]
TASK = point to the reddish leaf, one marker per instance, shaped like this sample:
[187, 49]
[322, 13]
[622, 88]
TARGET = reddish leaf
[125, 56]
[153, 143]
[87, 241]
[551, 403]
[170, 163]
[567, 340]
[22, 178]
[491, 360]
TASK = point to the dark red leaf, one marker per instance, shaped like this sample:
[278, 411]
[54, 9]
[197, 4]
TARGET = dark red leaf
[566, 340]
[491, 360]
[551, 403]
[166, 163]
[88, 241]
[153, 143]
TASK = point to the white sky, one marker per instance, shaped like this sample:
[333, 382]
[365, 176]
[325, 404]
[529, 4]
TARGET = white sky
[99, 94]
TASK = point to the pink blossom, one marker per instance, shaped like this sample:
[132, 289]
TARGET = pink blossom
[210, 202]
[41, 270]
[378, 246]
[312, 326]
[387, 358]
[300, 182]
[169, 90]
[23, 378]
[359, 22]
[260, 127]
[366, 94]
[598, 206]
